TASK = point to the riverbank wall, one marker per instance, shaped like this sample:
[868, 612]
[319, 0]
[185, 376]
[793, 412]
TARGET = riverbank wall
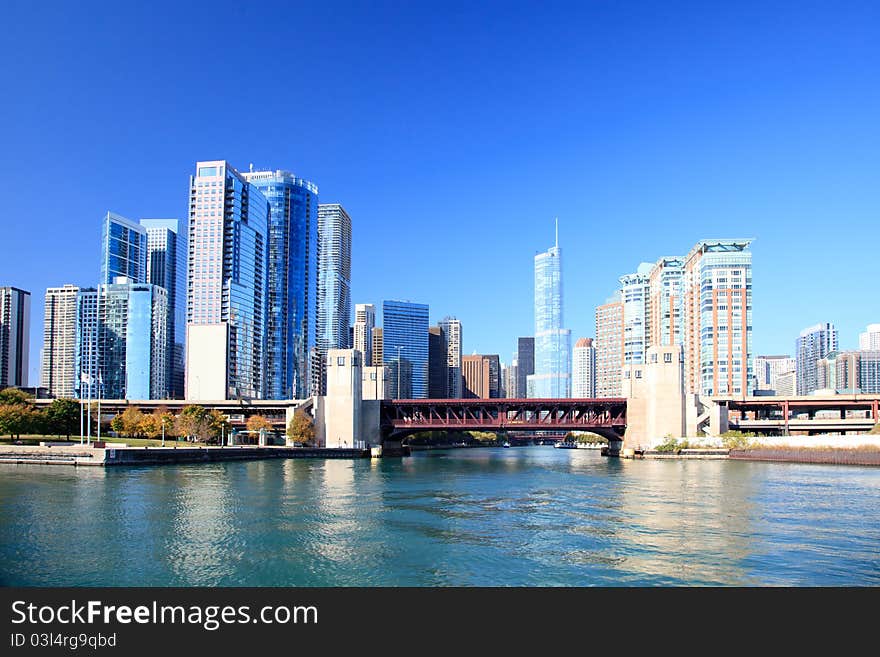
[81, 455]
[829, 455]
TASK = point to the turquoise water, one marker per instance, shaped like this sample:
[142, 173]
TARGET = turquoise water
[474, 517]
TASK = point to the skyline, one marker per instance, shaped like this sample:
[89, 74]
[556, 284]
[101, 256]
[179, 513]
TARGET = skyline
[641, 134]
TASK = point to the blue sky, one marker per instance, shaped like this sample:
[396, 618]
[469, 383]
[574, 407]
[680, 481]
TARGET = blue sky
[454, 133]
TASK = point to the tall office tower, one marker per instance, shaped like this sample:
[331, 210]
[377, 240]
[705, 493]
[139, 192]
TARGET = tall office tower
[511, 380]
[525, 360]
[767, 368]
[663, 310]
[438, 364]
[552, 377]
[227, 281]
[405, 348]
[634, 292]
[451, 328]
[377, 347]
[123, 249]
[438, 368]
[814, 343]
[132, 343]
[869, 371]
[86, 356]
[166, 267]
[717, 294]
[609, 347]
[334, 276]
[475, 377]
[583, 370]
[502, 390]
[362, 334]
[58, 373]
[292, 280]
[870, 339]
[15, 326]
[495, 387]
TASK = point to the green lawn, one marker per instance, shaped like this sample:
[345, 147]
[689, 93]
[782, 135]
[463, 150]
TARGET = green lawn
[74, 440]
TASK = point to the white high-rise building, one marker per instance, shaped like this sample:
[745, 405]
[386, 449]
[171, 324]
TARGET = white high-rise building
[634, 291]
[364, 323]
[452, 334]
[583, 370]
[15, 327]
[768, 368]
[58, 363]
[870, 339]
[813, 344]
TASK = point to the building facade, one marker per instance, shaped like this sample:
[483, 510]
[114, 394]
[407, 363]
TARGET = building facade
[405, 348]
[362, 332]
[663, 309]
[123, 249]
[452, 335]
[291, 280]
[15, 327]
[609, 347]
[58, 373]
[377, 347]
[717, 294]
[552, 377]
[634, 294]
[583, 370]
[475, 377]
[227, 284]
[849, 372]
[813, 344]
[767, 368]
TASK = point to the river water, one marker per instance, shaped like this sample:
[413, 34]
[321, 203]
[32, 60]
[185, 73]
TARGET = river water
[529, 516]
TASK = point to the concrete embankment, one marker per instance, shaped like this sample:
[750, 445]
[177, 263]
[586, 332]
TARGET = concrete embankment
[830, 455]
[85, 456]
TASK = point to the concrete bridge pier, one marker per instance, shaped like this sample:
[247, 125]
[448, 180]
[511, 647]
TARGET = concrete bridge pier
[614, 446]
[392, 447]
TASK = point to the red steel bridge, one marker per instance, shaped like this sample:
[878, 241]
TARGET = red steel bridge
[605, 417]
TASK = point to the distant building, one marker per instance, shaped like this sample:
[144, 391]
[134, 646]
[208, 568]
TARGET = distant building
[377, 347]
[481, 376]
[767, 368]
[58, 373]
[123, 249]
[850, 372]
[405, 348]
[525, 361]
[634, 294]
[511, 380]
[717, 292]
[786, 384]
[583, 371]
[451, 328]
[438, 368]
[552, 377]
[227, 279]
[813, 344]
[609, 347]
[870, 339]
[292, 275]
[15, 326]
[362, 331]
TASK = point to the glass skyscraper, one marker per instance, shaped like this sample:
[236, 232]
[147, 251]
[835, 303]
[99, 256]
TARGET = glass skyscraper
[552, 377]
[123, 249]
[226, 289]
[334, 277]
[166, 267]
[15, 325]
[405, 348]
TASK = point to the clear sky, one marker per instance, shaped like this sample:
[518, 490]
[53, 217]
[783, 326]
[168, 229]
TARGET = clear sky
[454, 133]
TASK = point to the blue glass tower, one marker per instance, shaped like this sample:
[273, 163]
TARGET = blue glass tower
[405, 348]
[334, 277]
[552, 377]
[292, 280]
[123, 249]
[166, 267]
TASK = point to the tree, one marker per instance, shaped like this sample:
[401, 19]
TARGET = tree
[301, 429]
[150, 425]
[14, 397]
[219, 424]
[131, 421]
[16, 419]
[166, 420]
[258, 422]
[62, 415]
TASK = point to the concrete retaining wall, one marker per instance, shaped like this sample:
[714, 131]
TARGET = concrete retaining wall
[812, 455]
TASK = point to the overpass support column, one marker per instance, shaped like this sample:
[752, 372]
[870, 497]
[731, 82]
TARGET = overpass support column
[785, 414]
[614, 446]
[875, 410]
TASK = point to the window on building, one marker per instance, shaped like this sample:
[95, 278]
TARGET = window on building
[667, 357]
[340, 360]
